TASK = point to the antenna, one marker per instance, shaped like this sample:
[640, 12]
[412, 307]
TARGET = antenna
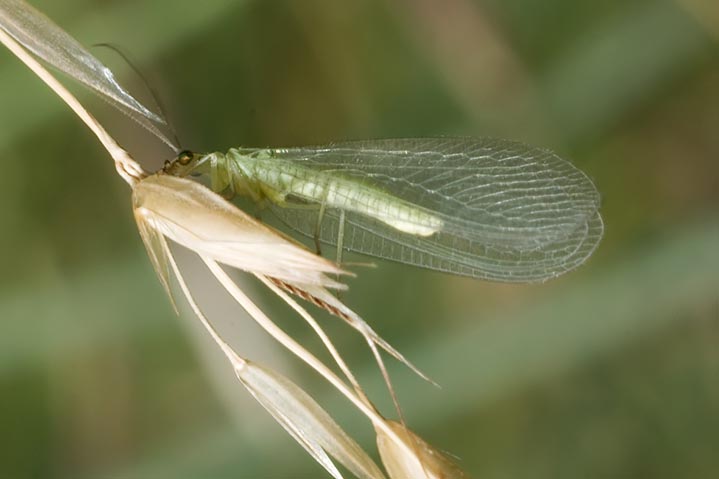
[153, 93]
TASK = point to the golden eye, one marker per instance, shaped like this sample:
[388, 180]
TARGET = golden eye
[185, 157]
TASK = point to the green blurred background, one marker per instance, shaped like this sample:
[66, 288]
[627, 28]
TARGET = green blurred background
[611, 371]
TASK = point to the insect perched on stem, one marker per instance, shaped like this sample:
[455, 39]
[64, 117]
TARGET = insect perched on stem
[489, 209]
[485, 208]
[187, 213]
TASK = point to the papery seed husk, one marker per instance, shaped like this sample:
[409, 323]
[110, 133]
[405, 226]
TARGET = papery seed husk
[306, 420]
[192, 215]
[424, 461]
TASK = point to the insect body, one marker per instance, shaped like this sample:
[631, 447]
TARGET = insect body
[492, 209]
[486, 208]
[286, 183]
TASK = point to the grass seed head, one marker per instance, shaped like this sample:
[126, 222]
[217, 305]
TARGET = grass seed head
[192, 215]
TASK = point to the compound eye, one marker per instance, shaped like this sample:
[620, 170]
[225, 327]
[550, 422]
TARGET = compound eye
[185, 157]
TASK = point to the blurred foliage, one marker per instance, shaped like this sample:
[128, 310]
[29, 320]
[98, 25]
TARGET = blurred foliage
[611, 371]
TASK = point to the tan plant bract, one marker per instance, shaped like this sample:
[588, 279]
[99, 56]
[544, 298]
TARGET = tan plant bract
[52, 44]
[422, 462]
[306, 421]
[201, 220]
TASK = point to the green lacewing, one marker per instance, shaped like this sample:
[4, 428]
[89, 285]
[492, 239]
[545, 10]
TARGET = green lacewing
[486, 208]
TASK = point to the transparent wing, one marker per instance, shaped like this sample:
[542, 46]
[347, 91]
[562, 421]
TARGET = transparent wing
[509, 212]
[46, 40]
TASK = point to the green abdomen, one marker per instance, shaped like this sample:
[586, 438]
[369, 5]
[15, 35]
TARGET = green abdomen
[284, 182]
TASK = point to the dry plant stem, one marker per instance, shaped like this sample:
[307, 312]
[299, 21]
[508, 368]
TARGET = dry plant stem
[200, 315]
[373, 347]
[128, 168]
[320, 332]
[299, 351]
[387, 380]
